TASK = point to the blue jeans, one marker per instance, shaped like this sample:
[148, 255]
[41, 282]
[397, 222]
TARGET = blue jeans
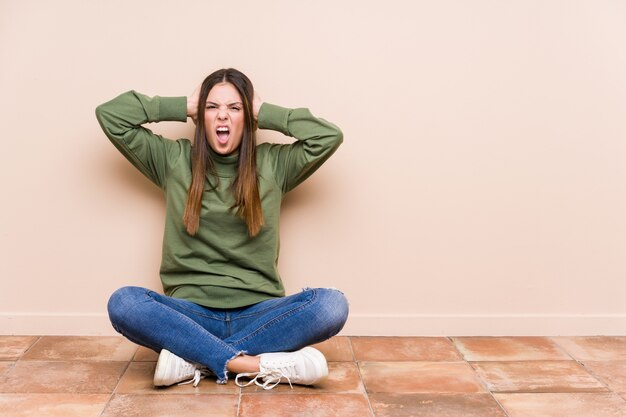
[212, 337]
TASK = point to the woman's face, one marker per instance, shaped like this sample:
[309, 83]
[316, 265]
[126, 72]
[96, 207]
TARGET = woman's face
[224, 118]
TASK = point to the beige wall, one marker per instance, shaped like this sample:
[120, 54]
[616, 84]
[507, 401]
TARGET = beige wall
[481, 188]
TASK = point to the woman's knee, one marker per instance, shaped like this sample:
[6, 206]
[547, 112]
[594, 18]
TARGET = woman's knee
[123, 300]
[334, 309]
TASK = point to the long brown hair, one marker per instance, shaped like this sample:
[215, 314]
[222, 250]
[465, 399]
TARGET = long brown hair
[245, 186]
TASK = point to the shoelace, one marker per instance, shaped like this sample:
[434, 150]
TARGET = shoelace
[271, 378]
[198, 374]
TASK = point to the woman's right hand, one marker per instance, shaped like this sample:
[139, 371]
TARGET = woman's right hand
[192, 104]
[256, 106]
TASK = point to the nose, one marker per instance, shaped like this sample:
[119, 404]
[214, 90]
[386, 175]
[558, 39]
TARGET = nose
[222, 114]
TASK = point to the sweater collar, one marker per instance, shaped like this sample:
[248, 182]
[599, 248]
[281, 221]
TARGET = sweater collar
[225, 165]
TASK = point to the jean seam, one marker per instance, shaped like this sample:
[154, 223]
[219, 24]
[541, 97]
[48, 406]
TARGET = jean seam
[183, 307]
[256, 313]
[276, 319]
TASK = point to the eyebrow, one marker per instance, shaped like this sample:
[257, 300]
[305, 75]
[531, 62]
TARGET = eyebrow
[228, 104]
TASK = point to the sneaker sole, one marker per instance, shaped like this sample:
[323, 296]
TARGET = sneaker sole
[319, 360]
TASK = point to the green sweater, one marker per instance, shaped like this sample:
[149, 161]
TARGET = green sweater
[221, 266]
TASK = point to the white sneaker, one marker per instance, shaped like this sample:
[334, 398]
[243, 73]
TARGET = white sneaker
[305, 367]
[171, 369]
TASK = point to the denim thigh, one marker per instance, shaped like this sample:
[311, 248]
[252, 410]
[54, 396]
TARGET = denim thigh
[289, 323]
[213, 321]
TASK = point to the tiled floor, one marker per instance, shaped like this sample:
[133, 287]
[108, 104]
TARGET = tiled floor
[369, 376]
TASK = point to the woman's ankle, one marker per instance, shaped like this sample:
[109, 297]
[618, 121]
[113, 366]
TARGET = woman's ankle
[243, 364]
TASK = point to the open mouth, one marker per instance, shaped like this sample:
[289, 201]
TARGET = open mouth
[222, 134]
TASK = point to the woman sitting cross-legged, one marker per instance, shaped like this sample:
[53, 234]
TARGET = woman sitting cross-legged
[224, 308]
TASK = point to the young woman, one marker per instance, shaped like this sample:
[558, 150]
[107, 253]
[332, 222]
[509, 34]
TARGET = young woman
[224, 308]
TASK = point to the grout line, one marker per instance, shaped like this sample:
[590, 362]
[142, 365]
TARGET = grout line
[482, 381]
[7, 370]
[367, 395]
[582, 364]
[106, 405]
[115, 388]
[499, 405]
[484, 384]
[29, 348]
[351, 349]
[594, 376]
[454, 346]
[121, 376]
[132, 358]
[561, 348]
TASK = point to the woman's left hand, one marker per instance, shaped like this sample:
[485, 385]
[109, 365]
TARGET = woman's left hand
[192, 104]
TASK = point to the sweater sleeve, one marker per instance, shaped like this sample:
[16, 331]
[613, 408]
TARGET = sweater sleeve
[121, 120]
[317, 140]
